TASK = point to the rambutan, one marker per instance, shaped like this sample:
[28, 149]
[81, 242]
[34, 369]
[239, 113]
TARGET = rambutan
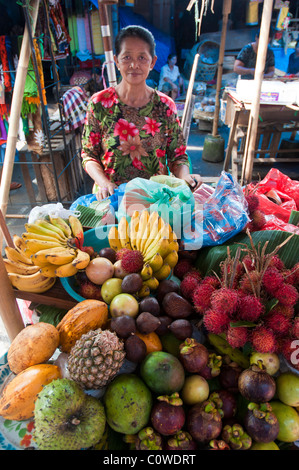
[215, 322]
[295, 328]
[288, 348]
[252, 202]
[187, 286]
[263, 340]
[287, 294]
[121, 252]
[277, 263]
[295, 271]
[194, 273]
[286, 310]
[212, 281]
[272, 280]
[237, 336]
[249, 262]
[289, 277]
[132, 261]
[250, 308]
[258, 219]
[249, 282]
[182, 267]
[224, 300]
[278, 323]
[202, 297]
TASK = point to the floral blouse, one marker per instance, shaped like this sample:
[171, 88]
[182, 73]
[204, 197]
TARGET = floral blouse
[133, 142]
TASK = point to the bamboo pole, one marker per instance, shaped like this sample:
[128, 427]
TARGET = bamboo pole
[107, 42]
[9, 309]
[247, 165]
[15, 113]
[227, 5]
[189, 91]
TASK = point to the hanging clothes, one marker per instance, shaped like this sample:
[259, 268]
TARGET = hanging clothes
[75, 106]
[61, 34]
[5, 65]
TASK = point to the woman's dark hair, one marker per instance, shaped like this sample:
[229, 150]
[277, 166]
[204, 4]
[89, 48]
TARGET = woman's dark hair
[135, 32]
[171, 56]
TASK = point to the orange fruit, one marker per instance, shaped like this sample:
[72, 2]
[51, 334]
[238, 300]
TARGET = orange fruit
[152, 341]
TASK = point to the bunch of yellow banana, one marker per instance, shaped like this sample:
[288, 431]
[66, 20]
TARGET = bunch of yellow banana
[48, 249]
[154, 238]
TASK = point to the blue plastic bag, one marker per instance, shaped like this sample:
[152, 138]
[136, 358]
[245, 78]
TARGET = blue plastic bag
[115, 199]
[219, 218]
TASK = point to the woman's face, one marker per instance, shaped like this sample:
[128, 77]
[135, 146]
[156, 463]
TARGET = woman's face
[134, 60]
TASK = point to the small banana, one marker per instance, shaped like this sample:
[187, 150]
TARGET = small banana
[144, 291]
[81, 260]
[33, 228]
[154, 231]
[113, 239]
[146, 272]
[18, 256]
[152, 283]
[62, 224]
[134, 224]
[156, 262]
[124, 233]
[77, 228]
[172, 258]
[48, 270]
[143, 220]
[19, 268]
[164, 232]
[19, 243]
[56, 255]
[161, 247]
[38, 236]
[48, 226]
[36, 245]
[163, 272]
[66, 270]
[36, 282]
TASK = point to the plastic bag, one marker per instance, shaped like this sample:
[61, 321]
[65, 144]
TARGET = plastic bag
[219, 218]
[85, 200]
[170, 196]
[55, 210]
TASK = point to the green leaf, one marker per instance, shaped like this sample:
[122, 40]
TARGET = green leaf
[242, 323]
[294, 218]
[209, 258]
[271, 304]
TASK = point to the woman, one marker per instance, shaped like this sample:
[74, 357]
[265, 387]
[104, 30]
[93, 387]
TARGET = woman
[293, 65]
[246, 60]
[133, 130]
[170, 79]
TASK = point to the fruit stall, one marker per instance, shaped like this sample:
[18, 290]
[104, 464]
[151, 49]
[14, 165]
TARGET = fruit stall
[141, 339]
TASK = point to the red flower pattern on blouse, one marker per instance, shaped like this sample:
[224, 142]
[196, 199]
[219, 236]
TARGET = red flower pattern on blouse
[151, 126]
[124, 128]
[107, 98]
[95, 138]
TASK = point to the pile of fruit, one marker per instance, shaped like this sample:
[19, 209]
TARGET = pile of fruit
[46, 250]
[147, 374]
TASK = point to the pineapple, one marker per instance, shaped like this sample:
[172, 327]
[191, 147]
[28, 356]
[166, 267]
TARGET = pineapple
[96, 358]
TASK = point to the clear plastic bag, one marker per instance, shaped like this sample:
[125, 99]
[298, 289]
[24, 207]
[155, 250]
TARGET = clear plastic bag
[55, 210]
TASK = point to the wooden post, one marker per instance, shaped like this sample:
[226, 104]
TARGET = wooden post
[107, 42]
[227, 5]
[9, 308]
[247, 165]
[189, 91]
[16, 105]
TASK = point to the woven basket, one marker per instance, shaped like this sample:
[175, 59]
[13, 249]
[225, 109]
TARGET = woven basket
[205, 71]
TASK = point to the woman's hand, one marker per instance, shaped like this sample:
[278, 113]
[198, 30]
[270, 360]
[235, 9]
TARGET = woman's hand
[106, 191]
[193, 180]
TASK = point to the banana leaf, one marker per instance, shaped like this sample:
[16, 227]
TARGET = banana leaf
[209, 258]
[294, 218]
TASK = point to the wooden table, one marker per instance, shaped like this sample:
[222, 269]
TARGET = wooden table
[56, 297]
[274, 120]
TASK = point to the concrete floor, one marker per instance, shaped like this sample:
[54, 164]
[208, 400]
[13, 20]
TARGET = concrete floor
[19, 203]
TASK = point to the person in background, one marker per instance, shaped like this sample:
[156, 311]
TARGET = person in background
[170, 79]
[293, 65]
[132, 130]
[246, 60]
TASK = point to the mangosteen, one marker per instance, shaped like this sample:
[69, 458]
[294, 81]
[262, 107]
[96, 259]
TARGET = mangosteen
[204, 421]
[146, 439]
[261, 423]
[229, 376]
[255, 384]
[182, 440]
[213, 367]
[193, 355]
[168, 415]
[217, 444]
[226, 401]
[235, 436]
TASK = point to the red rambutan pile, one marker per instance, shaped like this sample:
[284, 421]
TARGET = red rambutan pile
[224, 300]
[277, 263]
[212, 281]
[272, 280]
[195, 274]
[249, 282]
[250, 308]
[237, 336]
[278, 323]
[132, 261]
[286, 310]
[215, 322]
[287, 294]
[182, 267]
[295, 328]
[263, 340]
[188, 285]
[202, 297]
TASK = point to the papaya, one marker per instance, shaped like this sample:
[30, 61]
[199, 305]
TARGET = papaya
[87, 315]
[35, 344]
[18, 398]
